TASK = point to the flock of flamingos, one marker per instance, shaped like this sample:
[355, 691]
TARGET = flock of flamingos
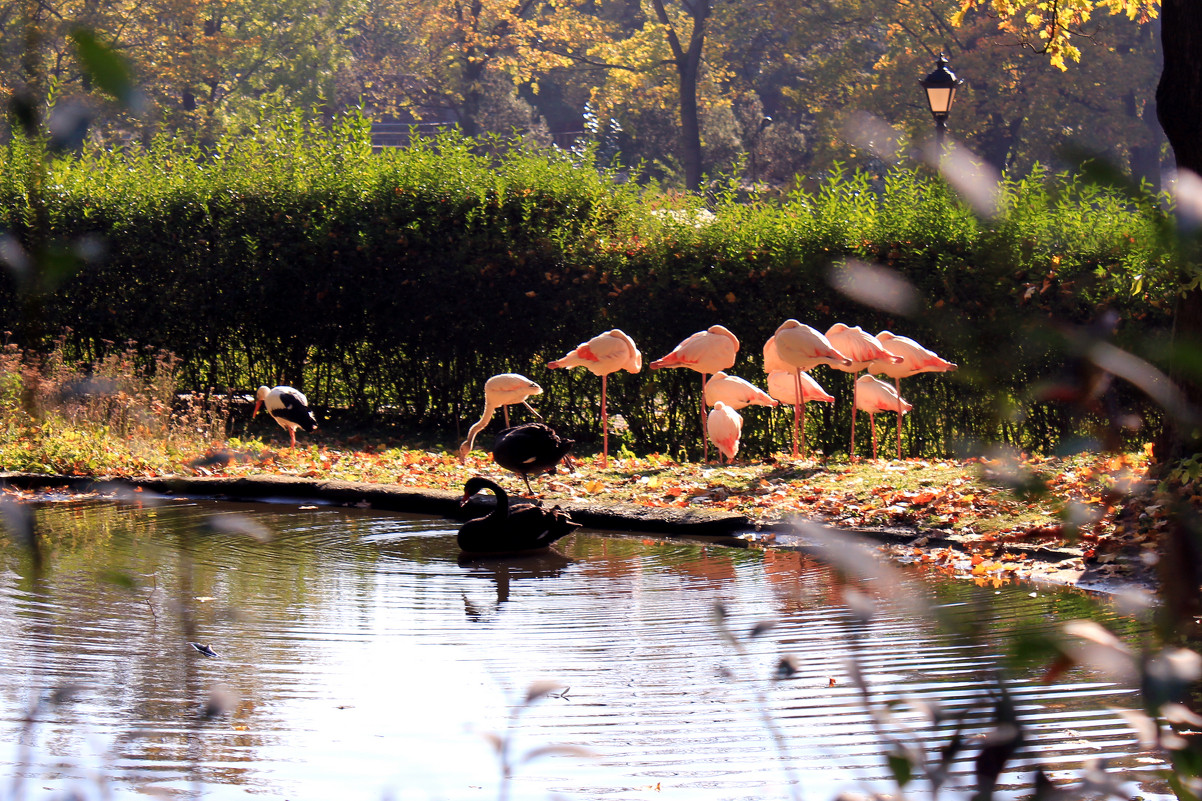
[789, 355]
[534, 448]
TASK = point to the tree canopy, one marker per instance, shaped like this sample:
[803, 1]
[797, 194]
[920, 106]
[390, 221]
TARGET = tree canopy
[695, 87]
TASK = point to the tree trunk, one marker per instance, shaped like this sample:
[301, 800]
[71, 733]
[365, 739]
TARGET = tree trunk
[688, 68]
[690, 118]
[1179, 109]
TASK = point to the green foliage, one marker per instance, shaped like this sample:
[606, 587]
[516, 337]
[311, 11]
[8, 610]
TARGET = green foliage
[401, 280]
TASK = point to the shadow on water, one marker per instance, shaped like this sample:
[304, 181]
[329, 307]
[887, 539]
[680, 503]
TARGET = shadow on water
[355, 653]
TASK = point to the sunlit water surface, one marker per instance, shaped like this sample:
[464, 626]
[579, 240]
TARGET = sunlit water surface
[357, 658]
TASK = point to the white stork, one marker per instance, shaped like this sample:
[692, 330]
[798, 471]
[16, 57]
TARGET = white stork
[288, 407]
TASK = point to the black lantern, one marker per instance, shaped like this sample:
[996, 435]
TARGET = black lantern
[940, 87]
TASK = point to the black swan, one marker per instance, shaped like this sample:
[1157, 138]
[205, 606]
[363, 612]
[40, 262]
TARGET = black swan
[530, 449]
[507, 529]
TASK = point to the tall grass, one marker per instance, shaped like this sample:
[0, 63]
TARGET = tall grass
[61, 417]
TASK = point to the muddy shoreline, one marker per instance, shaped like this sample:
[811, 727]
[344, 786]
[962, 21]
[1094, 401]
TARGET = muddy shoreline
[1063, 565]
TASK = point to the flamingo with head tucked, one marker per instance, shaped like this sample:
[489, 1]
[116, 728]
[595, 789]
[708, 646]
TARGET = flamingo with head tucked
[783, 384]
[501, 392]
[862, 348]
[724, 425]
[735, 392]
[915, 359]
[873, 395]
[798, 348]
[604, 354]
[707, 352]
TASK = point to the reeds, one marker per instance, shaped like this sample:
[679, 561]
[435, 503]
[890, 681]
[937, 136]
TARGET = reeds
[62, 415]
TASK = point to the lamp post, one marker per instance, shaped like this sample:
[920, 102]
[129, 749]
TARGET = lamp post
[940, 87]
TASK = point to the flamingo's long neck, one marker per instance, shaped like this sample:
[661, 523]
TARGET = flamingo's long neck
[476, 428]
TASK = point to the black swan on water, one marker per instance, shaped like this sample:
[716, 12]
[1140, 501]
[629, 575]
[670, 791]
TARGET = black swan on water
[510, 529]
[530, 449]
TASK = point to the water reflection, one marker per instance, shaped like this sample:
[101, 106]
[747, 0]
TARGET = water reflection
[501, 571]
[358, 656]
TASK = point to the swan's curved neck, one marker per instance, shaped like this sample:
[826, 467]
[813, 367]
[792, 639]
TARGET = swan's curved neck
[501, 511]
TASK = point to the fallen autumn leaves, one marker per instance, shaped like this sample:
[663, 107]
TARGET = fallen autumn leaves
[983, 517]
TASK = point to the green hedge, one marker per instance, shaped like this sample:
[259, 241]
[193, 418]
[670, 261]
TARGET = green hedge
[395, 283]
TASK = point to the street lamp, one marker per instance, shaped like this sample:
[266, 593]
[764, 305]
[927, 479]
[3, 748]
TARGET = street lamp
[940, 87]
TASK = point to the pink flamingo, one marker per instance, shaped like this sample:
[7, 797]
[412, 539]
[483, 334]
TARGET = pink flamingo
[707, 351]
[724, 425]
[782, 385]
[604, 354]
[915, 359]
[735, 392]
[797, 348]
[501, 391]
[874, 395]
[861, 348]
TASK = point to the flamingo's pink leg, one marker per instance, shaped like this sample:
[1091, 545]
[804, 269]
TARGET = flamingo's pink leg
[604, 427]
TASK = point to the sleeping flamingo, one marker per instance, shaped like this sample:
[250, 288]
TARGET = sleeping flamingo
[735, 392]
[861, 348]
[724, 425]
[874, 395]
[782, 385]
[915, 359]
[604, 354]
[798, 348]
[501, 391]
[707, 351]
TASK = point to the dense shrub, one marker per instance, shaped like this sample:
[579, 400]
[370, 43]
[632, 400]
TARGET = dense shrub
[398, 281]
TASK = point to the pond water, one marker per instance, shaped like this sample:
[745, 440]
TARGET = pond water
[358, 659]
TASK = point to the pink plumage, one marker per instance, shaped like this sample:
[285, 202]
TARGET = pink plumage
[801, 347]
[604, 354]
[796, 348]
[782, 385]
[859, 346]
[735, 392]
[914, 358]
[773, 363]
[724, 425]
[706, 351]
[500, 392]
[874, 395]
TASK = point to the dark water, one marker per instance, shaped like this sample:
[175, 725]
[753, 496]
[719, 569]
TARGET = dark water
[358, 659]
